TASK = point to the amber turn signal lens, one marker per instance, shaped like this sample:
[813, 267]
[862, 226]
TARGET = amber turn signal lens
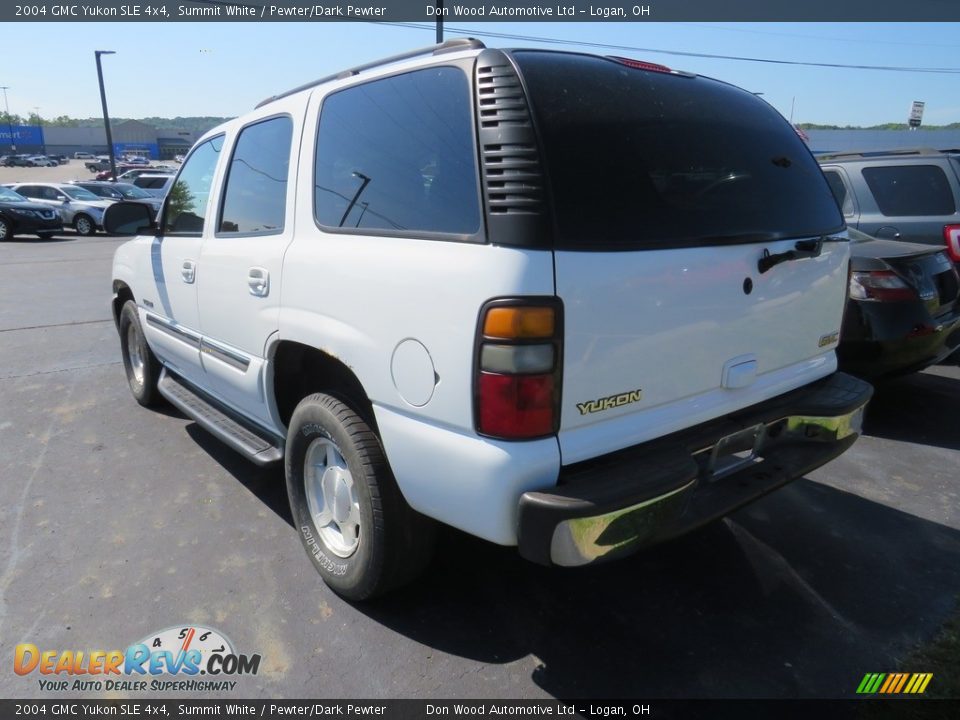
[519, 322]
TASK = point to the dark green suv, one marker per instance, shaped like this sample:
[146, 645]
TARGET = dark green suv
[911, 194]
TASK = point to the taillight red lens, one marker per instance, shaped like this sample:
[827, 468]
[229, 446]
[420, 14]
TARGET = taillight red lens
[879, 286]
[516, 406]
[951, 236]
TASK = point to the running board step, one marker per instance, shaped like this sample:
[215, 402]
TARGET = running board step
[257, 446]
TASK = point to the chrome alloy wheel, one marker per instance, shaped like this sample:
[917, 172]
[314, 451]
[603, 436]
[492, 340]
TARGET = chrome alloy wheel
[137, 364]
[332, 497]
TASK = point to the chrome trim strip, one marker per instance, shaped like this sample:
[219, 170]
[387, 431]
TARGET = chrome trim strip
[231, 358]
[174, 330]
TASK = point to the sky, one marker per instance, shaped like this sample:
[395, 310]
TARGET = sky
[224, 69]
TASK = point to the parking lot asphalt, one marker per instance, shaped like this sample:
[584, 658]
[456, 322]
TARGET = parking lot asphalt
[118, 522]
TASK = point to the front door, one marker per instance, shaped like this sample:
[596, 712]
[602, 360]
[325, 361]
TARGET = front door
[168, 308]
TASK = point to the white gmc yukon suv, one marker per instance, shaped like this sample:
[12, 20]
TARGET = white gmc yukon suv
[570, 303]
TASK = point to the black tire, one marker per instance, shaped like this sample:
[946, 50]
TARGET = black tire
[144, 387]
[393, 542]
[84, 225]
[6, 229]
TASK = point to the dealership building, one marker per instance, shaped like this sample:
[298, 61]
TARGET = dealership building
[129, 136]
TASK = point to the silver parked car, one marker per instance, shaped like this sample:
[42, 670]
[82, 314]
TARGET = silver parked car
[78, 208]
[157, 185]
[120, 191]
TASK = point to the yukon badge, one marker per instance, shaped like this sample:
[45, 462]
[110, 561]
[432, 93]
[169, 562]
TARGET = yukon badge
[613, 401]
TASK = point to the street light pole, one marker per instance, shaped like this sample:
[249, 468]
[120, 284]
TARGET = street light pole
[6, 105]
[106, 116]
[43, 141]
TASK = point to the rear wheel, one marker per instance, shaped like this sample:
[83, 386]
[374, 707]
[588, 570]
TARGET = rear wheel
[357, 529]
[139, 363]
[6, 230]
[84, 225]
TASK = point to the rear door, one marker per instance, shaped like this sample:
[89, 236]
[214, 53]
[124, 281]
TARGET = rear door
[910, 201]
[667, 191]
[239, 290]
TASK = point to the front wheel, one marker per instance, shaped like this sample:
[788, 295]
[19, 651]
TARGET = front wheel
[357, 529]
[139, 363]
[84, 225]
[6, 230]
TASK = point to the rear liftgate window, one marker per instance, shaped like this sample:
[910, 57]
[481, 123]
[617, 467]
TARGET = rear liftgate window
[638, 158]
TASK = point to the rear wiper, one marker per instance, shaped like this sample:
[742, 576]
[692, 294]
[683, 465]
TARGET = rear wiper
[802, 249]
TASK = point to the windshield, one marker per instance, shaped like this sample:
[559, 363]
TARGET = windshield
[650, 159]
[9, 195]
[78, 193]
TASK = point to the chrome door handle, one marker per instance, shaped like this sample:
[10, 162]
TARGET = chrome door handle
[188, 271]
[258, 280]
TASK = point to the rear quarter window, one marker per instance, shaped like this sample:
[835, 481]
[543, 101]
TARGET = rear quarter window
[397, 156]
[648, 159]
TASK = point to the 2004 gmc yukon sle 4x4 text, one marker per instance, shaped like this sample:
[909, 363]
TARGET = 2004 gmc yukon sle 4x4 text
[564, 302]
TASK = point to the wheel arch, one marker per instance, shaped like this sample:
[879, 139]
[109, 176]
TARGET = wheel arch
[121, 293]
[298, 370]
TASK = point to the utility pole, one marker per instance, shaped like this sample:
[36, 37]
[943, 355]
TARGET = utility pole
[43, 141]
[6, 105]
[106, 116]
[439, 21]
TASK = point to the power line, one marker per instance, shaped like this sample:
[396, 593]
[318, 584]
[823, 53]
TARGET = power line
[682, 53]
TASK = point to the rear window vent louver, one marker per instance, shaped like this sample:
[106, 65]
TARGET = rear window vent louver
[513, 180]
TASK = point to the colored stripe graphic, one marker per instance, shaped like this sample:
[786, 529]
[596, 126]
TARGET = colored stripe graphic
[894, 683]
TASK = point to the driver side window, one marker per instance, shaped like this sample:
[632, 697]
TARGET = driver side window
[189, 197]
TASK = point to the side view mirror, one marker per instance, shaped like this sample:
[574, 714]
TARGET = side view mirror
[63, 198]
[127, 218]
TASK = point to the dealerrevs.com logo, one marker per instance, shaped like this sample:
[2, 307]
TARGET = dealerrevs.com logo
[184, 652]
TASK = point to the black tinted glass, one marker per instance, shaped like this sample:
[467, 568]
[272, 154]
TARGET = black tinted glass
[910, 190]
[255, 199]
[398, 155]
[640, 158]
[839, 190]
[187, 201]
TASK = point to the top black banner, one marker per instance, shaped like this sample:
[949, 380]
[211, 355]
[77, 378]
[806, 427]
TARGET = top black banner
[484, 11]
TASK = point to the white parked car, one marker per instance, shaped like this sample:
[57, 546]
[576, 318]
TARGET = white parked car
[568, 303]
[41, 161]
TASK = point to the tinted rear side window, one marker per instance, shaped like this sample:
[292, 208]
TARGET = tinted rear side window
[839, 190]
[638, 158]
[910, 190]
[397, 155]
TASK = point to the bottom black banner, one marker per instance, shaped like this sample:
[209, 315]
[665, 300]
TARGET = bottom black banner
[404, 709]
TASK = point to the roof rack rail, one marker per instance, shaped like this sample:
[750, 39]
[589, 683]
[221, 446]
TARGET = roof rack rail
[879, 153]
[445, 47]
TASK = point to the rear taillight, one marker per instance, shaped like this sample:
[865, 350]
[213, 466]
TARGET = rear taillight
[879, 286]
[517, 378]
[951, 236]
